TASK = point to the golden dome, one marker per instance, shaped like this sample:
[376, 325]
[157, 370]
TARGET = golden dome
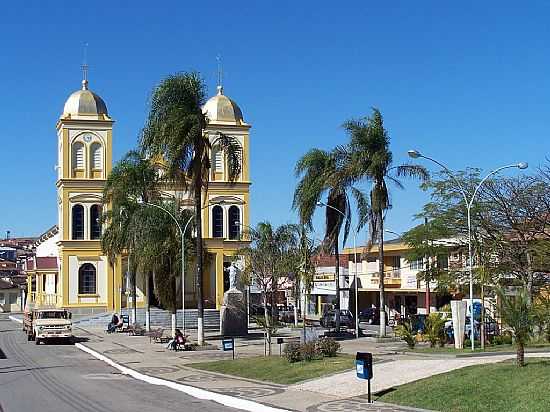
[85, 103]
[221, 108]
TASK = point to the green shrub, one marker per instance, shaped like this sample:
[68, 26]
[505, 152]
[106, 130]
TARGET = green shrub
[405, 332]
[293, 352]
[310, 351]
[507, 338]
[328, 347]
[435, 329]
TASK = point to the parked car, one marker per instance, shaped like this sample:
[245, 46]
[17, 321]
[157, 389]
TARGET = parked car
[328, 320]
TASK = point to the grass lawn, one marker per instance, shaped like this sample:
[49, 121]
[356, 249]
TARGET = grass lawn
[493, 348]
[277, 369]
[496, 387]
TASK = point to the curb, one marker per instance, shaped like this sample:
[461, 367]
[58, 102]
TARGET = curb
[198, 393]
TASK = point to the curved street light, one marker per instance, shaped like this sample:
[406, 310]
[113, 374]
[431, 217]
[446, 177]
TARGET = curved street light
[415, 154]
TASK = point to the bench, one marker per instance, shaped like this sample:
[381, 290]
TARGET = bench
[157, 336]
[135, 330]
[125, 324]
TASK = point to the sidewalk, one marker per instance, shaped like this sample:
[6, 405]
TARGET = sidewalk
[338, 392]
[155, 360]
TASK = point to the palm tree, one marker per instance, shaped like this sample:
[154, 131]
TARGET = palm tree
[367, 157]
[517, 313]
[321, 174]
[133, 177]
[175, 130]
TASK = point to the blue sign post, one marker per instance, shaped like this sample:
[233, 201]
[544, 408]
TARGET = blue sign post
[228, 344]
[363, 368]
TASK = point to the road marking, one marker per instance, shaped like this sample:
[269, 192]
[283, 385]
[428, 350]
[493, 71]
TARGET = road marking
[226, 400]
[15, 319]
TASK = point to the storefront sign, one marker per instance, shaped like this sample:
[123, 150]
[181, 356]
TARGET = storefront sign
[323, 277]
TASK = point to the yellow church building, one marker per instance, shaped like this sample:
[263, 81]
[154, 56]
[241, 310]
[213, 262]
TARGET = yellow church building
[84, 280]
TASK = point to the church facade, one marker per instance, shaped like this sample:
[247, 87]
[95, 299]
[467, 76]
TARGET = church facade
[84, 280]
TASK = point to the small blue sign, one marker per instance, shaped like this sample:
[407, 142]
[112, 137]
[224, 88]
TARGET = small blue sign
[227, 344]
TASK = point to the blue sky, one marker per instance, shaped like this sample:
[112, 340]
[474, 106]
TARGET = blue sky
[467, 83]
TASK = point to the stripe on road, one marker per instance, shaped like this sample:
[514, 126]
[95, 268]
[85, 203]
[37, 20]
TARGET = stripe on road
[226, 400]
[15, 319]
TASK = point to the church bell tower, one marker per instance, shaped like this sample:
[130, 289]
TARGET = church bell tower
[88, 282]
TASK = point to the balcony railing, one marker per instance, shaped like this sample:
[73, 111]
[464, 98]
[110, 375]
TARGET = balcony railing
[46, 299]
[391, 277]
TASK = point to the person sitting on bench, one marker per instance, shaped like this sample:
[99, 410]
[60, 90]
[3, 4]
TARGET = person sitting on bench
[113, 324]
[178, 340]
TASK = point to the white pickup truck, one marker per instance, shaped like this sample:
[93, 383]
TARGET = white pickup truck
[44, 324]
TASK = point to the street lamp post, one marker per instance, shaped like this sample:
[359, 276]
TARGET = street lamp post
[322, 204]
[522, 165]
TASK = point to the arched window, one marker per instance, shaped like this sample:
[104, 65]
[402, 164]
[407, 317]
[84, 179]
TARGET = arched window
[78, 155]
[86, 279]
[234, 216]
[96, 156]
[78, 222]
[217, 221]
[217, 159]
[95, 222]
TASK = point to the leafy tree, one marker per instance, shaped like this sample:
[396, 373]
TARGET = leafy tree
[269, 259]
[147, 234]
[175, 131]
[367, 158]
[320, 174]
[517, 313]
[425, 244]
[130, 178]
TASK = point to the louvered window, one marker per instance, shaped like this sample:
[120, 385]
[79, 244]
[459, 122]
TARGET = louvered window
[218, 160]
[96, 156]
[78, 155]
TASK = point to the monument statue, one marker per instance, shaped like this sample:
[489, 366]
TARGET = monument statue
[233, 314]
[232, 276]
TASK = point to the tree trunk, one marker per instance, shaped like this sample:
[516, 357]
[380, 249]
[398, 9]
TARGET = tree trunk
[134, 296]
[337, 280]
[147, 304]
[296, 300]
[173, 319]
[381, 275]
[198, 227]
[529, 278]
[520, 354]
[267, 325]
[482, 326]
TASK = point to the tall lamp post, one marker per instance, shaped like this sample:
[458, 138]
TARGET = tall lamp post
[322, 204]
[415, 154]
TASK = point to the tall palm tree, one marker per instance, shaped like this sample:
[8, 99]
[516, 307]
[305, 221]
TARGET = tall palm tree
[132, 177]
[367, 157]
[320, 173]
[175, 130]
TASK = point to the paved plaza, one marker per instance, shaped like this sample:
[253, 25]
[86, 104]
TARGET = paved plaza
[338, 392]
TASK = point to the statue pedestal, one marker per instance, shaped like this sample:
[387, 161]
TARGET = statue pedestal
[233, 316]
[458, 311]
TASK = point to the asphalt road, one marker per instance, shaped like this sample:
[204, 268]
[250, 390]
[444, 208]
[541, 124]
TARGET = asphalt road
[60, 377]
